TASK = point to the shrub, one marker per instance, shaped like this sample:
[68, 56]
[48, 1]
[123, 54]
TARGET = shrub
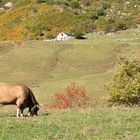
[78, 35]
[105, 5]
[57, 2]
[92, 14]
[73, 97]
[50, 36]
[100, 11]
[120, 25]
[108, 28]
[83, 28]
[51, 2]
[125, 88]
[86, 2]
[62, 2]
[39, 28]
[41, 1]
[95, 13]
[75, 4]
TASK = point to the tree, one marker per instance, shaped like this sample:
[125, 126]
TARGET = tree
[125, 88]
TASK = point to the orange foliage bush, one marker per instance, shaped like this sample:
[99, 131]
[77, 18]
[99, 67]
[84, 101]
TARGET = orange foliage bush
[73, 97]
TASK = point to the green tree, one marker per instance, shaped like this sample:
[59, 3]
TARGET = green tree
[125, 88]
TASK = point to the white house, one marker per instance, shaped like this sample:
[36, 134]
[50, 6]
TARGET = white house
[8, 5]
[63, 36]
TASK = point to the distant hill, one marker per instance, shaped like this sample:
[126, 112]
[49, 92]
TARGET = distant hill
[41, 19]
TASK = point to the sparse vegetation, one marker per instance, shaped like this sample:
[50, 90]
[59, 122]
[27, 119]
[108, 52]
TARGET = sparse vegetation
[37, 17]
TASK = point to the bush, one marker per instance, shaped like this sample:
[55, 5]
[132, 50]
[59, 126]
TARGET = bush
[41, 1]
[109, 28]
[100, 11]
[96, 13]
[105, 5]
[50, 36]
[73, 97]
[92, 14]
[120, 26]
[39, 28]
[86, 2]
[75, 4]
[125, 88]
[83, 28]
[57, 2]
[78, 35]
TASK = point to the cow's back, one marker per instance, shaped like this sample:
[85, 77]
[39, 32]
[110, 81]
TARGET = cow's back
[10, 93]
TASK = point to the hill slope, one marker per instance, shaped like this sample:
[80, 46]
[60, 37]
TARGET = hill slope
[49, 67]
[29, 19]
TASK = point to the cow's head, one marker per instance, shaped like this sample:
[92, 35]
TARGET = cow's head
[34, 110]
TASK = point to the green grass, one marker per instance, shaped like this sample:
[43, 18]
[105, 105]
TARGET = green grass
[117, 124]
[49, 67]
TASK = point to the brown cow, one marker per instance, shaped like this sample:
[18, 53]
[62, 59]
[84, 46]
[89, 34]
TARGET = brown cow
[19, 95]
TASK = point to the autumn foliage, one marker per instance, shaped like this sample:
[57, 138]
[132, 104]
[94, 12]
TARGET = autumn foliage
[74, 96]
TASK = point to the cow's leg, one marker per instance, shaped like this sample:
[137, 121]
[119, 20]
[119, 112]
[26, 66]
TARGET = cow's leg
[18, 112]
[29, 112]
[20, 108]
[21, 113]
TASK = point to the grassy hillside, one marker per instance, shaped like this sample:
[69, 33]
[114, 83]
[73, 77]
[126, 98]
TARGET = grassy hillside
[33, 19]
[85, 61]
[49, 67]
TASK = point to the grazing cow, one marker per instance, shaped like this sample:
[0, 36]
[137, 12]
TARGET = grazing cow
[19, 95]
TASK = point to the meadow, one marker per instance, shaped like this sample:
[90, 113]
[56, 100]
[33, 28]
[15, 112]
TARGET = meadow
[49, 67]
